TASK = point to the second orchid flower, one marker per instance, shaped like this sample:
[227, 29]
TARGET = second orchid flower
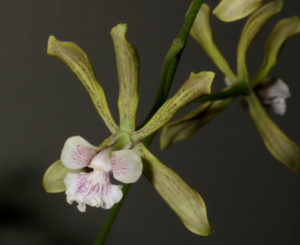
[84, 170]
[272, 92]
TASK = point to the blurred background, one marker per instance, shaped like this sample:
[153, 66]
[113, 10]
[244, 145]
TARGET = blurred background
[251, 198]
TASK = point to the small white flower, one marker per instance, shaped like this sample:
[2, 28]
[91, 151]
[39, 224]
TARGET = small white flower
[274, 92]
[94, 188]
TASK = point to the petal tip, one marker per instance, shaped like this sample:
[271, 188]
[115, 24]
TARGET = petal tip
[203, 232]
[210, 77]
[228, 11]
[122, 28]
[51, 40]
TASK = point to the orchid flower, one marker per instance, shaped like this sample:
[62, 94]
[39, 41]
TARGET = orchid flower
[84, 171]
[271, 93]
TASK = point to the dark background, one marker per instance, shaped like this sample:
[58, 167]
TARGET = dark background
[250, 197]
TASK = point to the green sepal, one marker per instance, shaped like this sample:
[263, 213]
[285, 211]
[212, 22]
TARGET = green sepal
[181, 198]
[53, 180]
[128, 72]
[202, 33]
[197, 85]
[280, 146]
[77, 60]
[188, 125]
[253, 26]
[282, 31]
[232, 10]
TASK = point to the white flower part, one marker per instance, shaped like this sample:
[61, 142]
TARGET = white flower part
[274, 94]
[127, 166]
[77, 153]
[102, 161]
[227, 81]
[111, 194]
[93, 189]
[279, 106]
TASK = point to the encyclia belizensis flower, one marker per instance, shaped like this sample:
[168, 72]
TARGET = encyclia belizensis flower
[271, 92]
[84, 170]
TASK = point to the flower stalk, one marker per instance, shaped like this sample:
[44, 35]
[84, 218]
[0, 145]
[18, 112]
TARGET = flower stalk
[238, 88]
[111, 217]
[172, 58]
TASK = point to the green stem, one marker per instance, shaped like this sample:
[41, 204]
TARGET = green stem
[172, 58]
[232, 91]
[111, 217]
[168, 71]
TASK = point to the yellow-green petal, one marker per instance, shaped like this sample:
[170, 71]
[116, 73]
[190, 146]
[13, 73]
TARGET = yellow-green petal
[188, 125]
[280, 146]
[232, 10]
[202, 33]
[77, 60]
[253, 25]
[282, 31]
[197, 85]
[128, 73]
[182, 199]
[53, 180]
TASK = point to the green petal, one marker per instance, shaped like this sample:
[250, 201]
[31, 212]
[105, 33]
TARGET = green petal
[202, 33]
[75, 58]
[188, 125]
[197, 85]
[182, 199]
[231, 10]
[253, 25]
[282, 31]
[53, 180]
[280, 146]
[128, 72]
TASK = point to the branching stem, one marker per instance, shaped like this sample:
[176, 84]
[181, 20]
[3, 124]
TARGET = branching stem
[236, 89]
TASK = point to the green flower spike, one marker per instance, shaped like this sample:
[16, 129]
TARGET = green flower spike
[271, 92]
[84, 170]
